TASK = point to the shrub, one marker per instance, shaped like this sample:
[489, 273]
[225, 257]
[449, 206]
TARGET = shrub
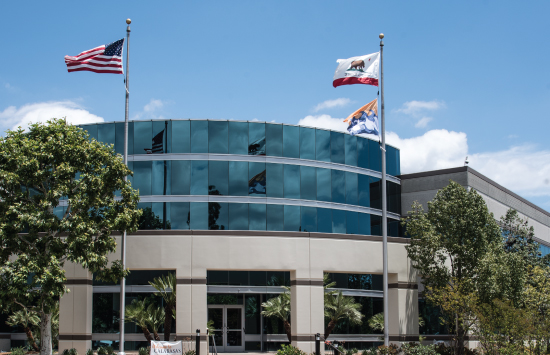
[289, 350]
[392, 349]
[371, 351]
[18, 351]
[73, 351]
[418, 349]
[101, 351]
[65, 352]
[190, 352]
[89, 352]
[110, 350]
[143, 351]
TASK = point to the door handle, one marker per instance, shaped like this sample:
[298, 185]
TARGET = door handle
[244, 330]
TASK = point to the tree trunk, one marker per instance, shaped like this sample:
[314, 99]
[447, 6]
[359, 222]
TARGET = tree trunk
[156, 335]
[167, 322]
[288, 330]
[147, 335]
[30, 339]
[330, 327]
[460, 333]
[46, 334]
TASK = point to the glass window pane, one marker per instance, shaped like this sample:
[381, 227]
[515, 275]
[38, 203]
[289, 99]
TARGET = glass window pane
[324, 189]
[199, 177]
[238, 138]
[181, 136]
[256, 216]
[291, 141]
[238, 216]
[256, 138]
[309, 219]
[375, 156]
[274, 180]
[179, 215]
[181, 177]
[375, 193]
[376, 225]
[130, 138]
[238, 178]
[257, 278]
[159, 211]
[142, 136]
[199, 136]
[351, 150]
[363, 153]
[352, 226]
[142, 177]
[324, 220]
[256, 179]
[217, 216]
[339, 221]
[218, 178]
[159, 182]
[158, 142]
[393, 192]
[91, 130]
[106, 133]
[199, 215]
[307, 143]
[363, 187]
[398, 159]
[338, 186]
[217, 137]
[322, 145]
[274, 140]
[292, 218]
[393, 228]
[168, 143]
[308, 183]
[119, 139]
[274, 215]
[337, 148]
[364, 223]
[351, 188]
[292, 181]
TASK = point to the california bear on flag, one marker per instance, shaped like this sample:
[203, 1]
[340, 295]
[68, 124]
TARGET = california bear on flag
[364, 120]
[357, 70]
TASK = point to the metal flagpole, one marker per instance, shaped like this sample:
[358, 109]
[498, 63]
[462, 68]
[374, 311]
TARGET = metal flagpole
[123, 244]
[384, 202]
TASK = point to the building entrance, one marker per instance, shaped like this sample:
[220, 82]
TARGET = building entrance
[228, 327]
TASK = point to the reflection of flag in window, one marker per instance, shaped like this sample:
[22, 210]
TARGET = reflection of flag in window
[157, 144]
[364, 120]
[257, 147]
[256, 185]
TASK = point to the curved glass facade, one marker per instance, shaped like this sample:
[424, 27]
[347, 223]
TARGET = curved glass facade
[212, 176]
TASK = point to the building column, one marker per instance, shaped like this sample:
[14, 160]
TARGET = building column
[192, 310]
[306, 309]
[403, 311]
[75, 310]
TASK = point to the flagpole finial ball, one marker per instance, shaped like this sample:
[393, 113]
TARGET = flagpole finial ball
[128, 21]
[381, 35]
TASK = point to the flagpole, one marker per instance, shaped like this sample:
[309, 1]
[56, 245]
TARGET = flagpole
[123, 243]
[384, 202]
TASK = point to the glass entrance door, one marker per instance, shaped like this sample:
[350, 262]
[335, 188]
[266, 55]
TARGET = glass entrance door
[228, 327]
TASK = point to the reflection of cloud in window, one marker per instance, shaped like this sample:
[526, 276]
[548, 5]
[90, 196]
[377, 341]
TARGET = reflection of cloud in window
[256, 185]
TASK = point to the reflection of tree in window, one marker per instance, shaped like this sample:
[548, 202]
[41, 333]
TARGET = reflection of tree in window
[150, 221]
[214, 210]
[256, 185]
[257, 147]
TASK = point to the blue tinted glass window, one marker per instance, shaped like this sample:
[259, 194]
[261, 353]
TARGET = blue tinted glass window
[322, 145]
[217, 216]
[274, 216]
[351, 149]
[398, 158]
[199, 215]
[337, 148]
[375, 156]
[351, 188]
[92, 131]
[131, 177]
[291, 142]
[217, 137]
[238, 138]
[159, 178]
[352, 226]
[338, 186]
[375, 193]
[159, 211]
[142, 177]
[309, 219]
[168, 135]
[199, 177]
[274, 180]
[142, 137]
[308, 183]
[307, 143]
[238, 178]
[119, 139]
[218, 178]
[181, 177]
[393, 192]
[130, 138]
[363, 197]
[146, 215]
[181, 136]
[256, 179]
[106, 133]
[339, 221]
[199, 136]
[291, 181]
[256, 138]
[238, 216]
[324, 189]
[393, 228]
[376, 225]
[292, 218]
[324, 220]
[179, 215]
[160, 132]
[364, 223]
[274, 140]
[256, 216]
[363, 153]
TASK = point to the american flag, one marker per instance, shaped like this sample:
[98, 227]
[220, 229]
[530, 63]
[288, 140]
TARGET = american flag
[157, 144]
[102, 59]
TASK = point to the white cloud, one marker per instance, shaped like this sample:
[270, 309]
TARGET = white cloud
[324, 121]
[153, 105]
[331, 104]
[416, 108]
[13, 117]
[423, 122]
[150, 110]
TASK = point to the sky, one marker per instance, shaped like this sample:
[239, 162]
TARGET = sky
[467, 78]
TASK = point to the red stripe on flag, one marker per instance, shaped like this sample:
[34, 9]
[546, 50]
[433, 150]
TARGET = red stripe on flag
[97, 71]
[99, 65]
[354, 80]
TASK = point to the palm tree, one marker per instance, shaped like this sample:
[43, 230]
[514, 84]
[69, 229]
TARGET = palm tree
[27, 319]
[339, 307]
[376, 322]
[279, 307]
[137, 313]
[155, 319]
[166, 287]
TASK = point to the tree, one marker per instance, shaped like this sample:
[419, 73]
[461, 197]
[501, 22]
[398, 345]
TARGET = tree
[279, 307]
[27, 319]
[338, 307]
[137, 312]
[155, 318]
[166, 287]
[57, 205]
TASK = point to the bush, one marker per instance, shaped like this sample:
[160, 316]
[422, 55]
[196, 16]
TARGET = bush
[190, 352]
[392, 349]
[89, 352]
[73, 351]
[143, 351]
[289, 350]
[110, 350]
[101, 351]
[18, 351]
[418, 349]
[371, 351]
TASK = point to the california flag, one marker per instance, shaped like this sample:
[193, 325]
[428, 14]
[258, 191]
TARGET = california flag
[357, 70]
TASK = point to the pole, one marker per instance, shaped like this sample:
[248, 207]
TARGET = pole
[123, 243]
[198, 343]
[384, 202]
[317, 344]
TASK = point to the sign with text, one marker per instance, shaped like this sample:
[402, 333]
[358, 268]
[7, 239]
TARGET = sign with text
[166, 347]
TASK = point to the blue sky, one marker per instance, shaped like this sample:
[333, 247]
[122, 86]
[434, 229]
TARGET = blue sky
[461, 78]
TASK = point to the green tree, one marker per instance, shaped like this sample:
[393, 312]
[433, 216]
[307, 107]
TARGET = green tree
[166, 287]
[58, 205]
[27, 319]
[279, 307]
[137, 312]
[155, 319]
[338, 307]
